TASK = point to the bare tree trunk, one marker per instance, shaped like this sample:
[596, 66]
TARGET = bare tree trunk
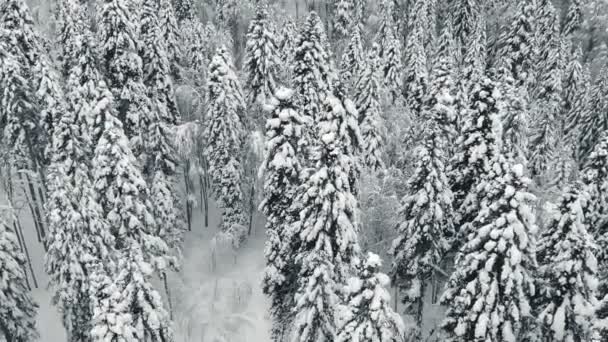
[29, 203]
[188, 192]
[168, 292]
[251, 205]
[37, 206]
[22, 249]
[26, 251]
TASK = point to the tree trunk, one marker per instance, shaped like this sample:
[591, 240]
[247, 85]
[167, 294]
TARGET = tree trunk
[188, 192]
[168, 292]
[26, 251]
[419, 311]
[251, 205]
[37, 207]
[34, 215]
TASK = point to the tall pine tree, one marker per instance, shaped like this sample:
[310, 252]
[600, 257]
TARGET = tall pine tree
[367, 100]
[568, 272]
[225, 134]
[326, 227]
[488, 295]
[281, 168]
[367, 314]
[261, 57]
[17, 309]
[79, 241]
[123, 69]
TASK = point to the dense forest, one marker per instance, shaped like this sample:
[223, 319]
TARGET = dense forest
[413, 170]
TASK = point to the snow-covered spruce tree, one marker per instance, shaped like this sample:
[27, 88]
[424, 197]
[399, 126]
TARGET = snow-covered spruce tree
[595, 120]
[312, 75]
[344, 17]
[476, 147]
[391, 63]
[281, 169]
[567, 272]
[17, 309]
[184, 10]
[156, 64]
[465, 14]
[352, 59]
[595, 177]
[18, 100]
[473, 68]
[367, 314]
[79, 240]
[488, 295]
[123, 70]
[574, 18]
[426, 225]
[574, 94]
[66, 13]
[171, 34]
[22, 41]
[326, 227]
[367, 100]
[160, 164]
[547, 124]
[517, 42]
[287, 43]
[262, 58]
[126, 305]
[195, 60]
[416, 67]
[225, 134]
[442, 78]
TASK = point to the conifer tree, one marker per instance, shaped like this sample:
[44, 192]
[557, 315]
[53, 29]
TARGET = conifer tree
[261, 57]
[123, 70]
[595, 120]
[574, 18]
[465, 14]
[281, 169]
[18, 34]
[595, 178]
[473, 68]
[575, 97]
[547, 94]
[391, 60]
[225, 134]
[478, 145]
[184, 10]
[66, 17]
[367, 100]
[568, 272]
[416, 73]
[126, 305]
[79, 240]
[442, 79]
[344, 17]
[488, 296]
[326, 227]
[171, 34]
[287, 43]
[517, 42]
[160, 164]
[352, 59]
[426, 221]
[368, 315]
[17, 98]
[312, 76]
[17, 309]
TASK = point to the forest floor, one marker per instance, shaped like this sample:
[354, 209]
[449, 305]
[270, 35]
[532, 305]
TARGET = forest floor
[215, 301]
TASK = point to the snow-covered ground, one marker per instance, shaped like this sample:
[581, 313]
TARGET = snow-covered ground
[215, 304]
